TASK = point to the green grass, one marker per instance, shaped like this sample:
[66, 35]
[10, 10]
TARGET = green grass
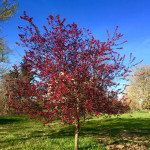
[95, 134]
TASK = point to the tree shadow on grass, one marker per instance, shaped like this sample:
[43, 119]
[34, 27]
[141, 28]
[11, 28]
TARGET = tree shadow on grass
[112, 127]
[10, 120]
[109, 127]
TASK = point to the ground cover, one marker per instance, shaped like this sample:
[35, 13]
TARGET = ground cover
[96, 134]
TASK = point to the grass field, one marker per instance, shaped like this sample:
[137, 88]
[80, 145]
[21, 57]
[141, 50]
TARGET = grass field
[96, 134]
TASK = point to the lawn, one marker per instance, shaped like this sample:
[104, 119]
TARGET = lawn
[96, 134]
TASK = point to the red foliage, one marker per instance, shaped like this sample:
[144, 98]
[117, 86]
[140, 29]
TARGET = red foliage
[74, 73]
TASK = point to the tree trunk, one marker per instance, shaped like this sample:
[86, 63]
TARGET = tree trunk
[77, 124]
[76, 135]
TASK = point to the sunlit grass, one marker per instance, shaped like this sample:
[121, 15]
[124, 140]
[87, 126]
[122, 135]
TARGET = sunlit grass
[95, 134]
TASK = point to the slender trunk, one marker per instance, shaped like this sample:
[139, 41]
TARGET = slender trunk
[76, 135]
[77, 122]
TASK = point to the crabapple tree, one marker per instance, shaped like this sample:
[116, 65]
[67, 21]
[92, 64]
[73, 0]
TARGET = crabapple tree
[74, 74]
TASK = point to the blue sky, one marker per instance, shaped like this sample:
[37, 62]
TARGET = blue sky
[132, 17]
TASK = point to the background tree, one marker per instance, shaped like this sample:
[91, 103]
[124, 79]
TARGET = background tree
[74, 74]
[7, 11]
[4, 51]
[139, 88]
[13, 77]
[5, 87]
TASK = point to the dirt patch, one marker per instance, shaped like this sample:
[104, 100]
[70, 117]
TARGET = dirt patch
[123, 143]
[3, 128]
[126, 147]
